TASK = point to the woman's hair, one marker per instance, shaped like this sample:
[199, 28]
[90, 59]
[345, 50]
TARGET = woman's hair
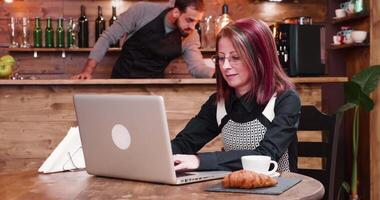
[254, 42]
[183, 4]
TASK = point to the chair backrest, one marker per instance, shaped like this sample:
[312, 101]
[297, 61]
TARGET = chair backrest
[311, 119]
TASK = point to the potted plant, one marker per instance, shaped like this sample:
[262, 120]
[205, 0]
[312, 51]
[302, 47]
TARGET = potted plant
[357, 93]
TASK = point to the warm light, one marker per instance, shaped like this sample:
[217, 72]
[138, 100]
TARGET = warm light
[275, 0]
[8, 1]
[115, 3]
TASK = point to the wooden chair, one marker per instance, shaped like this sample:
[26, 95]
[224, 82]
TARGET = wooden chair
[312, 119]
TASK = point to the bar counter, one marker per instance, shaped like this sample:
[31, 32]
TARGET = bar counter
[152, 81]
[36, 114]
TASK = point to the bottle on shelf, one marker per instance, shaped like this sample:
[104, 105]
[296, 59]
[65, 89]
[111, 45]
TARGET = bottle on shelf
[37, 33]
[25, 33]
[70, 34]
[100, 24]
[222, 20]
[13, 32]
[60, 38]
[49, 34]
[83, 28]
[112, 20]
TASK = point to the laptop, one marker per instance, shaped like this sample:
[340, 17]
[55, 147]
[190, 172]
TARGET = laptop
[127, 136]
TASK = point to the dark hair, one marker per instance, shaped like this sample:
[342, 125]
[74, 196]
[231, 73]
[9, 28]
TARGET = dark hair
[183, 4]
[254, 42]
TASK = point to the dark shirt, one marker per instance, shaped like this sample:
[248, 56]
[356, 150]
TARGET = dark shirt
[280, 136]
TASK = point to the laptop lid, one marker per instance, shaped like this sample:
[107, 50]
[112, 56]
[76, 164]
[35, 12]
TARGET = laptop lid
[125, 136]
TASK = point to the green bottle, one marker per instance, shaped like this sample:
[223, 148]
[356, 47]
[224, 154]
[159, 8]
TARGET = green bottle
[60, 38]
[49, 34]
[70, 34]
[37, 33]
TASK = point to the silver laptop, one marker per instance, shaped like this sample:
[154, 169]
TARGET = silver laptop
[127, 136]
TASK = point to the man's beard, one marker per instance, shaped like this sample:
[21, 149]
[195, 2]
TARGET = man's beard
[182, 31]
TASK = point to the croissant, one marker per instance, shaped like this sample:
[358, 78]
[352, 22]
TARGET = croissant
[247, 180]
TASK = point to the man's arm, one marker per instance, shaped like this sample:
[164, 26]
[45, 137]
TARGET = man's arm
[194, 59]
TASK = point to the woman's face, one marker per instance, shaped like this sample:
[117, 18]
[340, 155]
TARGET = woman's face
[233, 69]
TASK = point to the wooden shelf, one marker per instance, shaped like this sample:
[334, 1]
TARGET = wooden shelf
[53, 49]
[350, 17]
[72, 50]
[346, 46]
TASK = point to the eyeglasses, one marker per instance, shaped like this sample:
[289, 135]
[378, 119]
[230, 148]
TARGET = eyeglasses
[233, 59]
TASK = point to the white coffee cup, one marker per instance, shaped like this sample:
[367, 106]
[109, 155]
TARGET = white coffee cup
[337, 39]
[347, 39]
[259, 164]
[339, 13]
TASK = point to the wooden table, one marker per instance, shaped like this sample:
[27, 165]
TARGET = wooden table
[80, 185]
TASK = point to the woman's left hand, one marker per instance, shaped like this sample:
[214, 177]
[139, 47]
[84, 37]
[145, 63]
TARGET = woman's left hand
[185, 162]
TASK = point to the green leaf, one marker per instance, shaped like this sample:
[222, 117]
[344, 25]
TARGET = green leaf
[346, 187]
[355, 96]
[352, 91]
[366, 103]
[368, 78]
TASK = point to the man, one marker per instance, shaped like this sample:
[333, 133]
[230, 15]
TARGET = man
[156, 34]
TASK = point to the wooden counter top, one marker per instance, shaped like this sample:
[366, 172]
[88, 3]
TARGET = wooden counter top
[194, 81]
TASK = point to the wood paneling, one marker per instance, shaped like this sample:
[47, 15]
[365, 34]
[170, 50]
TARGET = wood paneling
[51, 65]
[375, 114]
[35, 118]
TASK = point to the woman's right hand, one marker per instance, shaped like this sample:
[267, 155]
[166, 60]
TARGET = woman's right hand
[184, 162]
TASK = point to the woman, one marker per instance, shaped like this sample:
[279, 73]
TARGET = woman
[255, 108]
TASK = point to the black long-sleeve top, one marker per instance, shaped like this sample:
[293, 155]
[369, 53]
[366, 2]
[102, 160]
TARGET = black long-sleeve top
[280, 135]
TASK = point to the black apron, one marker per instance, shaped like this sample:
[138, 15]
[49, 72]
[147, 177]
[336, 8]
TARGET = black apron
[148, 52]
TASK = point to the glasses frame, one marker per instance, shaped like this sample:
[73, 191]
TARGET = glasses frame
[215, 59]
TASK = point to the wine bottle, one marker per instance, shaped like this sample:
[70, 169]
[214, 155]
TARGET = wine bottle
[37, 33]
[83, 28]
[112, 20]
[60, 38]
[70, 34]
[100, 24]
[49, 34]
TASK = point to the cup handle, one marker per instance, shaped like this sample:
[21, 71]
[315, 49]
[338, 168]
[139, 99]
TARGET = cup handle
[274, 168]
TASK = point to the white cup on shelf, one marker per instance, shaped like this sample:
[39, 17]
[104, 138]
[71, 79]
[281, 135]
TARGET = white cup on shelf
[337, 39]
[340, 12]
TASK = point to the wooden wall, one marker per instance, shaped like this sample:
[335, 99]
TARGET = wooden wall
[51, 65]
[375, 114]
[35, 118]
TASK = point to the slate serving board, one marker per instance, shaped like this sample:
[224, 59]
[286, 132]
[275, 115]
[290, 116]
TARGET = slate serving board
[283, 184]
